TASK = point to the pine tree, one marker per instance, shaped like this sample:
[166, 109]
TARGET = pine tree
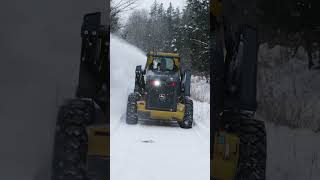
[196, 30]
[171, 30]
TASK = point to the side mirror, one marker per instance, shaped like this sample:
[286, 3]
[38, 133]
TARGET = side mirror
[138, 69]
[186, 82]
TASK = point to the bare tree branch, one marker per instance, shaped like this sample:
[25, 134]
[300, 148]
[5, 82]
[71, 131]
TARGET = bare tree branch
[121, 6]
[200, 42]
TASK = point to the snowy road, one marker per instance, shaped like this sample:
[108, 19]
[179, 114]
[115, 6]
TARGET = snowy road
[150, 151]
[153, 152]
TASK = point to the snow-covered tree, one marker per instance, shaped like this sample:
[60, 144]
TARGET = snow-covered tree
[118, 7]
[136, 29]
[172, 30]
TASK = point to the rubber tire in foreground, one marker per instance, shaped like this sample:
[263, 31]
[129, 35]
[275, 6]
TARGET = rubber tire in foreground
[252, 160]
[71, 141]
[131, 114]
[252, 164]
[187, 121]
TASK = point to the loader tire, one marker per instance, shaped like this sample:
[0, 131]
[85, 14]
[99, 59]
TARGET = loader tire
[132, 115]
[71, 141]
[187, 121]
[252, 154]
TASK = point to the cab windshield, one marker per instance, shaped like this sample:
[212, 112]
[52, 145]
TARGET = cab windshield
[162, 64]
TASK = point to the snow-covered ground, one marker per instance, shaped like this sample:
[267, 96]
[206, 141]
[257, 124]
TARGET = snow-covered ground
[150, 151]
[292, 154]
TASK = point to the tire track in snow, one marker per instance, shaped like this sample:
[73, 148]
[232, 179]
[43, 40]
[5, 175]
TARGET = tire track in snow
[172, 149]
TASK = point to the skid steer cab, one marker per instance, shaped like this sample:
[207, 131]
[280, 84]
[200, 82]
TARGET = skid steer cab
[161, 91]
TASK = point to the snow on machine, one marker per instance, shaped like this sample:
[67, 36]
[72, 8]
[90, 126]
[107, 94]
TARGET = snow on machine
[161, 91]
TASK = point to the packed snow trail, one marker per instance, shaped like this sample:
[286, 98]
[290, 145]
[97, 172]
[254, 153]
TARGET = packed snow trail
[151, 151]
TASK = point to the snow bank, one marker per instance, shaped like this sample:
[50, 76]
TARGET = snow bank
[200, 89]
[288, 93]
[201, 116]
[123, 60]
[200, 93]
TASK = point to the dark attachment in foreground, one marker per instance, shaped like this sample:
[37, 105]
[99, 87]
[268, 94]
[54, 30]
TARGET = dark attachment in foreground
[238, 146]
[81, 145]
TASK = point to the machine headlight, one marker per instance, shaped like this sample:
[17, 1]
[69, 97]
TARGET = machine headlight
[156, 83]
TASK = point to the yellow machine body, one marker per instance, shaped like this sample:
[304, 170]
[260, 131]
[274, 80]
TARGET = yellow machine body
[226, 145]
[98, 141]
[98, 154]
[161, 115]
[226, 156]
[216, 7]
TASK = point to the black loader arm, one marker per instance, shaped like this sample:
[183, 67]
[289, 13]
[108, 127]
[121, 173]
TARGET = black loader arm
[94, 57]
[186, 83]
[234, 29]
[139, 84]
[233, 81]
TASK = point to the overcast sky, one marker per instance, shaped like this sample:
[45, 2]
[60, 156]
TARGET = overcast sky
[146, 4]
